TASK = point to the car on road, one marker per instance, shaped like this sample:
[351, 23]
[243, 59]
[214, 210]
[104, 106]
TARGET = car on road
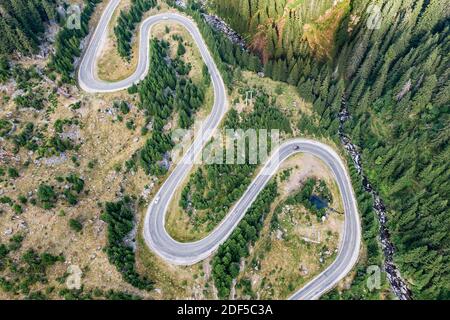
[157, 238]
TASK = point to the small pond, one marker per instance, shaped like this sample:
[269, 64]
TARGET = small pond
[318, 202]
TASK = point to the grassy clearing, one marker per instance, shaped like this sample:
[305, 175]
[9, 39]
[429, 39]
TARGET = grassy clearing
[178, 224]
[288, 255]
[49, 230]
[320, 34]
[110, 66]
[286, 95]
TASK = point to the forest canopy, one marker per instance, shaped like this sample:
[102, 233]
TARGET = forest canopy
[394, 79]
[22, 22]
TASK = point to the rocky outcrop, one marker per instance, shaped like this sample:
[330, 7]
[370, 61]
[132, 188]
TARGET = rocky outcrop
[221, 26]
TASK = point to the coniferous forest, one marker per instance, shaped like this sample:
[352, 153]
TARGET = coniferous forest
[126, 24]
[22, 22]
[375, 72]
[393, 75]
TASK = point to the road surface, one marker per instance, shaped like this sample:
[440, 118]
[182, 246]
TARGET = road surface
[155, 233]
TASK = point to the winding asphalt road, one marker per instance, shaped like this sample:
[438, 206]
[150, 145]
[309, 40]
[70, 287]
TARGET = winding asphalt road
[155, 233]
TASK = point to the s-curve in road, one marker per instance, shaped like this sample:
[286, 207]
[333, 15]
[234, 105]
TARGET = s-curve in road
[155, 233]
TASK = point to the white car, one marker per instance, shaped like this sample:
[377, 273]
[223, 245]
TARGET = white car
[156, 200]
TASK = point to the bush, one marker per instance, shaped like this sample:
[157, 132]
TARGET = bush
[22, 199]
[181, 49]
[17, 209]
[13, 173]
[46, 196]
[124, 108]
[75, 225]
[6, 200]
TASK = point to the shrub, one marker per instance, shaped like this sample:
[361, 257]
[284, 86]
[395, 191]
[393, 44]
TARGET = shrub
[13, 173]
[75, 225]
[46, 196]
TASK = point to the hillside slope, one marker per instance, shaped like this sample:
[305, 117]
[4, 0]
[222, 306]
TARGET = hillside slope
[22, 23]
[394, 76]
